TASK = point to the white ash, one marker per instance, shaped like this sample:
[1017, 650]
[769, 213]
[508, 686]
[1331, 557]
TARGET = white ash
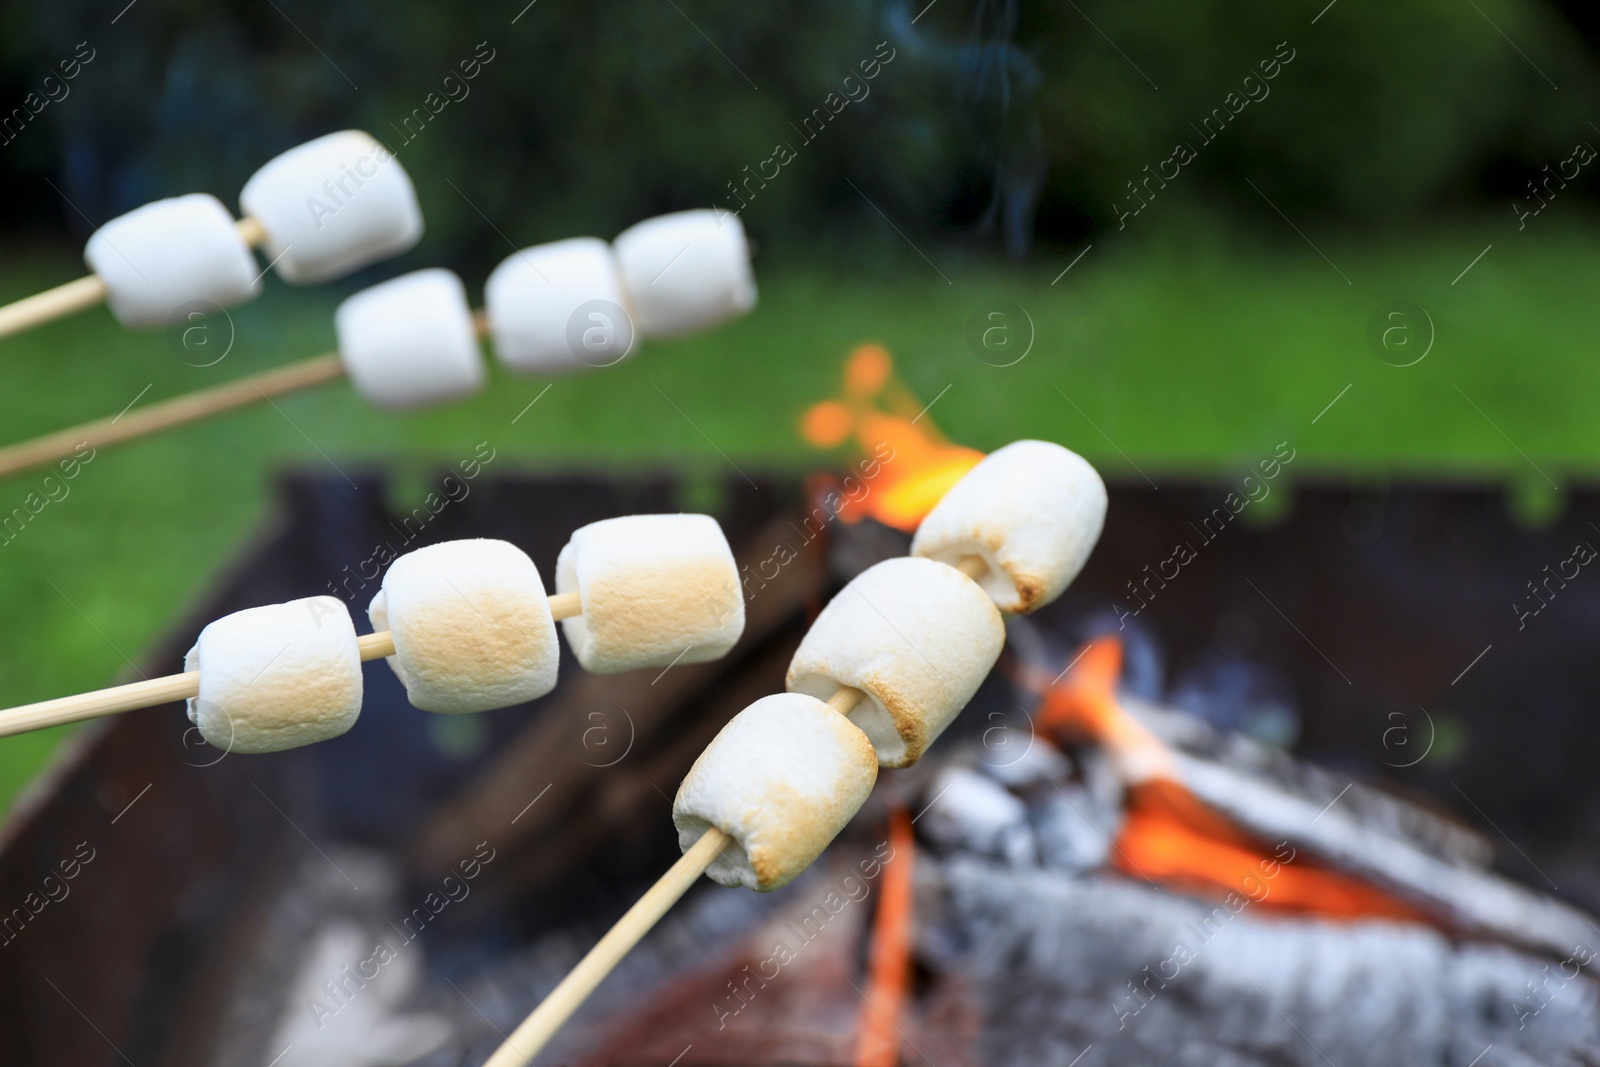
[1056, 960]
[970, 812]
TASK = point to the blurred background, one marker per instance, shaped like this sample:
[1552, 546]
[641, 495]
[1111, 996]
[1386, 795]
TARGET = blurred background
[1177, 238]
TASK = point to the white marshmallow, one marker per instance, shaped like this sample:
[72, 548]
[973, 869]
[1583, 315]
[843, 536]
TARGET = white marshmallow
[332, 206]
[409, 342]
[161, 256]
[277, 676]
[685, 272]
[917, 637]
[657, 590]
[472, 626]
[534, 295]
[1031, 510]
[782, 779]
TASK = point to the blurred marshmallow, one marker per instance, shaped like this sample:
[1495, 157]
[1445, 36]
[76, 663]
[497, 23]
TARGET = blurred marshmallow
[686, 272]
[559, 307]
[332, 206]
[159, 257]
[410, 342]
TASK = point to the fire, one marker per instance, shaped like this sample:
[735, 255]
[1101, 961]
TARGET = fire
[916, 464]
[1171, 836]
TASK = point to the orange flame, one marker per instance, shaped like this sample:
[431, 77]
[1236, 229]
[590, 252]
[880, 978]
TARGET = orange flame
[913, 465]
[889, 958]
[1172, 836]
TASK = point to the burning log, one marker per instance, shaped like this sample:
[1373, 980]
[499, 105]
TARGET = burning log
[1200, 821]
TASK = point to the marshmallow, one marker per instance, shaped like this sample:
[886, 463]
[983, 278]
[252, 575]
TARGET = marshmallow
[917, 637]
[657, 590]
[159, 257]
[1032, 511]
[277, 677]
[332, 206]
[472, 626]
[559, 307]
[782, 779]
[686, 271]
[409, 342]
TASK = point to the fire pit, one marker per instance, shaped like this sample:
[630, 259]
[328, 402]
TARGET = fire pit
[406, 892]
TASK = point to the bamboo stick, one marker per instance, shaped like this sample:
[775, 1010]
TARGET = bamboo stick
[85, 292]
[167, 414]
[530, 1038]
[164, 690]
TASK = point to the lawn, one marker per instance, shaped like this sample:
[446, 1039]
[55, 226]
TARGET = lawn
[1151, 360]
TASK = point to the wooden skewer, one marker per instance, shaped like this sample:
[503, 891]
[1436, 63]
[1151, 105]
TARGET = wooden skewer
[182, 410]
[164, 690]
[529, 1038]
[166, 414]
[83, 293]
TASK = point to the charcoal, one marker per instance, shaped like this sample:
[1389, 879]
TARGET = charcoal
[967, 811]
[1066, 966]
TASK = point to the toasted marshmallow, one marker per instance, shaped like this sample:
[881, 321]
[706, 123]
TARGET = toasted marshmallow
[686, 272]
[1032, 511]
[332, 206]
[782, 779]
[277, 677]
[917, 636]
[409, 342]
[471, 624]
[157, 259]
[657, 590]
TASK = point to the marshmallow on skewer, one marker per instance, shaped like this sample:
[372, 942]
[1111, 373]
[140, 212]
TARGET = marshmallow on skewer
[917, 637]
[685, 272]
[782, 779]
[169, 253]
[471, 625]
[1032, 511]
[540, 314]
[277, 676]
[410, 342]
[331, 206]
[657, 590]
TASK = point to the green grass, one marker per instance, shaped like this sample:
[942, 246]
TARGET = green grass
[1177, 359]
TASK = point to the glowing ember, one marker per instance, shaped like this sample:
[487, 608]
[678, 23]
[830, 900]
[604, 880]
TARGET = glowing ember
[917, 463]
[1171, 836]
